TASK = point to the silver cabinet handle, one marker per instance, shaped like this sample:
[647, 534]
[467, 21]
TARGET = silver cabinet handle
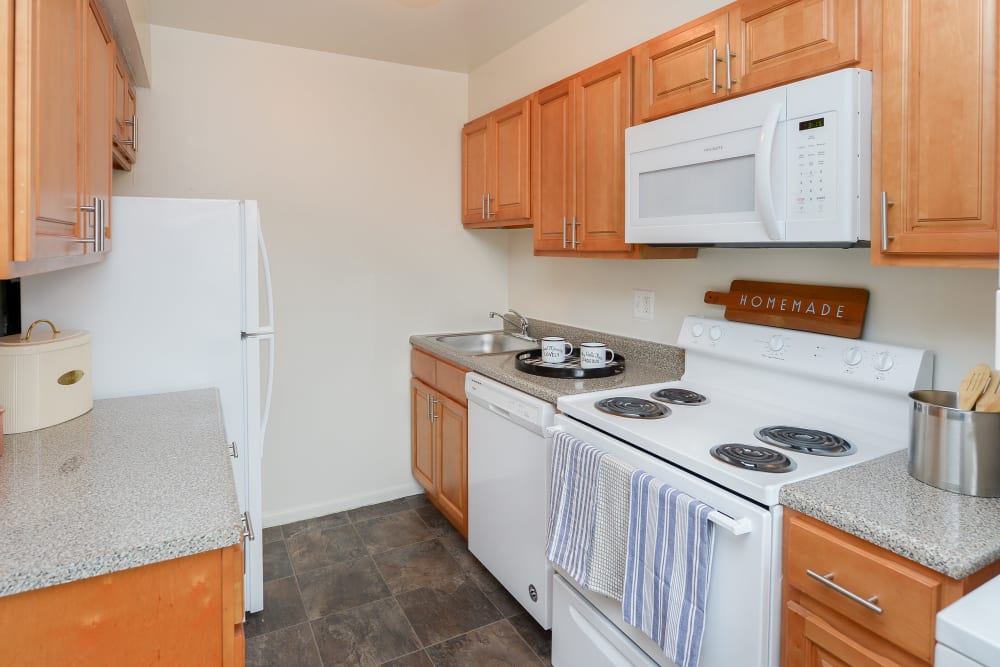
[885, 221]
[729, 67]
[134, 141]
[489, 209]
[94, 208]
[101, 224]
[434, 414]
[248, 527]
[429, 413]
[827, 580]
[233, 451]
[715, 70]
[574, 223]
[564, 232]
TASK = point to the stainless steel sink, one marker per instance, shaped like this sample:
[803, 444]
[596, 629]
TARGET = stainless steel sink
[485, 342]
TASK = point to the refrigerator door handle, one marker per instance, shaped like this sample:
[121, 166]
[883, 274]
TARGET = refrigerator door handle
[267, 275]
[267, 396]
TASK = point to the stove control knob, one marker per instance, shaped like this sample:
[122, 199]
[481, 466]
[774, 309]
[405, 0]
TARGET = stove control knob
[776, 343]
[852, 356]
[715, 333]
[884, 362]
[697, 329]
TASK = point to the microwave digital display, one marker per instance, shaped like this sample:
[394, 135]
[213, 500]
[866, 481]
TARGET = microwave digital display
[811, 124]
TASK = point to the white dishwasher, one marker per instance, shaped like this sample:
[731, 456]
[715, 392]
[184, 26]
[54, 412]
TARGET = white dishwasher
[509, 477]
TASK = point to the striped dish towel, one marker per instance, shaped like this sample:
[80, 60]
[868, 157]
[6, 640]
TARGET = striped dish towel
[667, 570]
[572, 504]
[607, 562]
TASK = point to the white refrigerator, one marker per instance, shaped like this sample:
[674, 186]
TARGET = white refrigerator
[183, 301]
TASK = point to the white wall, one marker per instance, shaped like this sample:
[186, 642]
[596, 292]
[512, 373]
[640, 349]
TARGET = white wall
[950, 311]
[356, 166]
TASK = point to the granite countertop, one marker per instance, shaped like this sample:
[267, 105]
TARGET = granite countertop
[645, 362]
[879, 502]
[135, 481]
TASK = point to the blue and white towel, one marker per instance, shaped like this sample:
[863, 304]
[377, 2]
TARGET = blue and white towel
[572, 503]
[670, 544]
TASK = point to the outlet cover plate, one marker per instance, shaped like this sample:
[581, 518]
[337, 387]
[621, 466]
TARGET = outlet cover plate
[642, 304]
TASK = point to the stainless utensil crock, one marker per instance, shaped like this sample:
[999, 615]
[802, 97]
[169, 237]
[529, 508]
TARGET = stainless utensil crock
[951, 449]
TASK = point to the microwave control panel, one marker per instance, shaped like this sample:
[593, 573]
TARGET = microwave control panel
[812, 167]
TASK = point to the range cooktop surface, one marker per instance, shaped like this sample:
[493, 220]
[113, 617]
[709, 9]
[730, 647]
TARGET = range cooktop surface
[777, 406]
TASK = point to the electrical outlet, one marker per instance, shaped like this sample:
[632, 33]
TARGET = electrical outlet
[642, 304]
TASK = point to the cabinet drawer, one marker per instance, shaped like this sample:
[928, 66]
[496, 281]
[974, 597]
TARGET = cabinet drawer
[908, 596]
[451, 381]
[422, 366]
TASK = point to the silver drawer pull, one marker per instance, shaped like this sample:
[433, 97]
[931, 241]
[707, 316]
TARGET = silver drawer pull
[827, 580]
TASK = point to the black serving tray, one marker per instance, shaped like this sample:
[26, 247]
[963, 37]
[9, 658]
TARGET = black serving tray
[531, 362]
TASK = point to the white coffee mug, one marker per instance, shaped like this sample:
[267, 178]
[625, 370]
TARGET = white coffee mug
[595, 355]
[555, 349]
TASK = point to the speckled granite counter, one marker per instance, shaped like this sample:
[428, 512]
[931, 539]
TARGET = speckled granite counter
[135, 481]
[879, 502]
[645, 362]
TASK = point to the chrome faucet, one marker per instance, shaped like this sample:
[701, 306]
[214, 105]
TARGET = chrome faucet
[522, 325]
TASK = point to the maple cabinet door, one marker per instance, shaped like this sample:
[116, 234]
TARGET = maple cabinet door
[422, 436]
[938, 160]
[98, 122]
[777, 41]
[553, 149]
[509, 193]
[603, 111]
[681, 70]
[451, 425]
[48, 56]
[474, 171]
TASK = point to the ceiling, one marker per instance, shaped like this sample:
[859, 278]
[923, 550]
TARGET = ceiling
[456, 35]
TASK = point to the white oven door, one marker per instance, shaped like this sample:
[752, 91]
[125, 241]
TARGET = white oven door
[744, 596]
[709, 176]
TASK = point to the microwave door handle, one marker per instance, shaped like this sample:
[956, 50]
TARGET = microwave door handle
[763, 188]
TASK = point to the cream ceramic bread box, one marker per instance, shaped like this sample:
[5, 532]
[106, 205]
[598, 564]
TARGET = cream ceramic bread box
[45, 377]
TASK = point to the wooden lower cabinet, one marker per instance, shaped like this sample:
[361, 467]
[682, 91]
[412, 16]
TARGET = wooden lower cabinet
[823, 626]
[439, 435]
[185, 611]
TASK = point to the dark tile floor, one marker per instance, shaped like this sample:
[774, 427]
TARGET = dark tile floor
[387, 584]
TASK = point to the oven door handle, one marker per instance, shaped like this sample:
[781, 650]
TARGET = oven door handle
[734, 526]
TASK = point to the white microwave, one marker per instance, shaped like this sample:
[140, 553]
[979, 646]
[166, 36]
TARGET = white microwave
[789, 166]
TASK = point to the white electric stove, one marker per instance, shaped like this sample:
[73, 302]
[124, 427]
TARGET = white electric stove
[757, 408]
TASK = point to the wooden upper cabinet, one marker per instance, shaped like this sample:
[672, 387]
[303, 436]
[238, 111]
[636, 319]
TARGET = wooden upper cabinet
[777, 41]
[743, 47]
[495, 168]
[681, 69]
[935, 124]
[578, 166]
[61, 122]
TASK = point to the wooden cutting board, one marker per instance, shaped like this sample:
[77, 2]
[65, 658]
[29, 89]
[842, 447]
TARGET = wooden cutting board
[837, 311]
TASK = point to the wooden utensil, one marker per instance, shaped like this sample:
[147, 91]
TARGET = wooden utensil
[973, 386]
[990, 400]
